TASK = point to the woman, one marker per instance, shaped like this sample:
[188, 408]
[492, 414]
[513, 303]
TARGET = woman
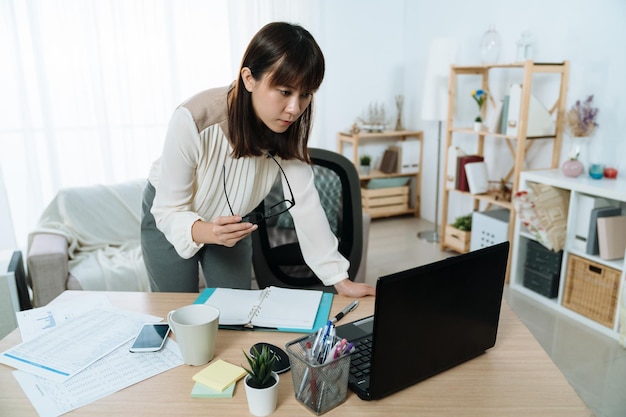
[223, 150]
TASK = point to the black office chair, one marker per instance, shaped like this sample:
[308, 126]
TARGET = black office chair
[277, 259]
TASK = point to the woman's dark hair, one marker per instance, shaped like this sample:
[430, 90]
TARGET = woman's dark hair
[289, 55]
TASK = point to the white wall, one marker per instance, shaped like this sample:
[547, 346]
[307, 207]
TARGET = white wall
[376, 50]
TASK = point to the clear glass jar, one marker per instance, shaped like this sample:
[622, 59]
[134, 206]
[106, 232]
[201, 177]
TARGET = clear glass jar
[490, 45]
[524, 47]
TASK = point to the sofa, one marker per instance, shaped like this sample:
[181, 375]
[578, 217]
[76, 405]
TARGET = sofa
[88, 238]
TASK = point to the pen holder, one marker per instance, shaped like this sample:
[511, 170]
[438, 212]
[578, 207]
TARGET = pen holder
[319, 387]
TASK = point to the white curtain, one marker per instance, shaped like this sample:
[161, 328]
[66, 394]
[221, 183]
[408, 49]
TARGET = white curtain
[87, 86]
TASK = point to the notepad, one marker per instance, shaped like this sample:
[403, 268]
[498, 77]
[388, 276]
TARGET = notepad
[219, 375]
[272, 307]
[202, 391]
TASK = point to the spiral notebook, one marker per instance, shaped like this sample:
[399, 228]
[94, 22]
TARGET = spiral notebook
[273, 308]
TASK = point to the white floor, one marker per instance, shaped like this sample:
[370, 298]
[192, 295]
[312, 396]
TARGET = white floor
[594, 364]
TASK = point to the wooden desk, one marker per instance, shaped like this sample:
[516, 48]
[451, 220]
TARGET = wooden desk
[515, 378]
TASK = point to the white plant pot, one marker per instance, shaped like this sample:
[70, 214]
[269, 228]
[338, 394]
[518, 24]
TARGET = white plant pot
[262, 402]
[478, 126]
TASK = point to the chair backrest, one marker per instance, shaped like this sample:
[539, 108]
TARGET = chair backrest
[277, 258]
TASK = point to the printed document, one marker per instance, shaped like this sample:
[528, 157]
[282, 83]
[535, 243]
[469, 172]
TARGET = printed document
[114, 372]
[62, 352]
[39, 320]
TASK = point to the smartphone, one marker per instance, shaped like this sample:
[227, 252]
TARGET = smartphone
[151, 337]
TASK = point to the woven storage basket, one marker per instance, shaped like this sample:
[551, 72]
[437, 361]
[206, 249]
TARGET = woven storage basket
[591, 289]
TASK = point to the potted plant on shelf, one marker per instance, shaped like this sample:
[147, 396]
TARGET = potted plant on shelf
[458, 234]
[479, 96]
[364, 164]
[261, 383]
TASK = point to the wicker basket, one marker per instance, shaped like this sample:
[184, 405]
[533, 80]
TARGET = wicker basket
[591, 289]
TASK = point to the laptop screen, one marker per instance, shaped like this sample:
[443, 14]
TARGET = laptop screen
[434, 317]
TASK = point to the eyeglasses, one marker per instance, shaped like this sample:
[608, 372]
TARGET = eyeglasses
[276, 209]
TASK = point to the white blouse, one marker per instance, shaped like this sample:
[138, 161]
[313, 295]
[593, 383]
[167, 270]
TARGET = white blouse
[189, 184]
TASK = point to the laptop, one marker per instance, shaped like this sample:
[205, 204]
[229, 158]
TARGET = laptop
[427, 320]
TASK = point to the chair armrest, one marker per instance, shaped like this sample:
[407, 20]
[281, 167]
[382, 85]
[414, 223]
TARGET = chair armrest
[47, 263]
[361, 275]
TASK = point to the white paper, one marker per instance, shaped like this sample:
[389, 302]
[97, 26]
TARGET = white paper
[39, 320]
[114, 372]
[235, 306]
[288, 308]
[72, 346]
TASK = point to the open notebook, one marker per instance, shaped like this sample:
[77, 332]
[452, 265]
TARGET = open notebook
[272, 308]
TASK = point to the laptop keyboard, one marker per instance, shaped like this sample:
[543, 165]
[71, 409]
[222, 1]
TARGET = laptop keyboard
[361, 358]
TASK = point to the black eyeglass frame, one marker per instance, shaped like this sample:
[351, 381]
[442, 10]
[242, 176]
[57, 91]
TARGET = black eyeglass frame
[256, 217]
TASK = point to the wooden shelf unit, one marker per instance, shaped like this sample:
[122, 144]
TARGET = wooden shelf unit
[392, 136]
[518, 145]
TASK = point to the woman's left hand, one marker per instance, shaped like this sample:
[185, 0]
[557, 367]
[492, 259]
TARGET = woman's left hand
[354, 289]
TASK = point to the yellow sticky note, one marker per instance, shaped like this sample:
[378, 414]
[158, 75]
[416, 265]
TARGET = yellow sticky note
[219, 375]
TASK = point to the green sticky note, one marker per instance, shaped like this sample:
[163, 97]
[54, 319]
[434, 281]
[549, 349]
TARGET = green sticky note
[202, 391]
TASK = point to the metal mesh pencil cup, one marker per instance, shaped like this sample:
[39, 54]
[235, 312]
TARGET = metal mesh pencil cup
[319, 387]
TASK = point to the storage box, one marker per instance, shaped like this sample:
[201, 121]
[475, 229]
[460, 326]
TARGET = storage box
[542, 259]
[591, 289]
[544, 283]
[489, 228]
[458, 240]
[387, 201]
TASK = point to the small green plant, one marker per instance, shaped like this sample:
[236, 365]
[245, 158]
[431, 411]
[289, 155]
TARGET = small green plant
[261, 364]
[365, 160]
[463, 223]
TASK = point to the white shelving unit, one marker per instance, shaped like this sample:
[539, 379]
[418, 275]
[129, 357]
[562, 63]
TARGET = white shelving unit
[612, 190]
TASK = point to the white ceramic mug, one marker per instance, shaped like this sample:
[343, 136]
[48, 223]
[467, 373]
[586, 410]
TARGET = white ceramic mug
[195, 329]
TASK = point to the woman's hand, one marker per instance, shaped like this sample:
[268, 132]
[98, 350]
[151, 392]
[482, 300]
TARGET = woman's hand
[354, 289]
[224, 230]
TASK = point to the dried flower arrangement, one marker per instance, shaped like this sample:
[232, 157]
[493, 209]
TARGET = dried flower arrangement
[580, 120]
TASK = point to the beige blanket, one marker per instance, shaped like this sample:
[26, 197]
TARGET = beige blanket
[102, 225]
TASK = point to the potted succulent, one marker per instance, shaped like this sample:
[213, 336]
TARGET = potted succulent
[365, 161]
[261, 383]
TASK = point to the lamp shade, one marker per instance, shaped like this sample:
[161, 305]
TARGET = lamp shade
[435, 99]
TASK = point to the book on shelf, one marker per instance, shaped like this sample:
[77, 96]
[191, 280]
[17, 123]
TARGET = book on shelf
[505, 114]
[389, 163]
[593, 247]
[612, 237]
[453, 153]
[272, 309]
[477, 178]
[461, 176]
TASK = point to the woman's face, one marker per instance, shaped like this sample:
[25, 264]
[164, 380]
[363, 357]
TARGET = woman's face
[277, 107]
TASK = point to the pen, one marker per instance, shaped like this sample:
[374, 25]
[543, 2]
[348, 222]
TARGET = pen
[353, 305]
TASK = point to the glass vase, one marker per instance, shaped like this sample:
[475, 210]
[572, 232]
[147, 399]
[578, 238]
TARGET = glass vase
[490, 45]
